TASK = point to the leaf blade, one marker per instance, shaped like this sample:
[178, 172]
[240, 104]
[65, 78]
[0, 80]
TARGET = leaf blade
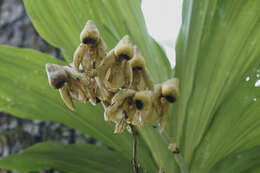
[239, 162]
[217, 46]
[67, 158]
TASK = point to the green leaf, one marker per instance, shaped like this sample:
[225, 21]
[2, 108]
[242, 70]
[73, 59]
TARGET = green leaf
[236, 122]
[61, 21]
[218, 111]
[67, 158]
[24, 92]
[255, 169]
[239, 162]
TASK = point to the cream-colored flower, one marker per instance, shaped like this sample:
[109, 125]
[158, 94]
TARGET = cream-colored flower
[114, 73]
[142, 79]
[91, 51]
[72, 85]
[157, 110]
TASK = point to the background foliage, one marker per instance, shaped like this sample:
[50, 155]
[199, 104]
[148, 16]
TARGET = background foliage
[216, 121]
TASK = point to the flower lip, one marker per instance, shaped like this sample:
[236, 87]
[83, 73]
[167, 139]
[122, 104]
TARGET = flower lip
[142, 100]
[123, 49]
[90, 33]
[56, 76]
[170, 90]
[137, 62]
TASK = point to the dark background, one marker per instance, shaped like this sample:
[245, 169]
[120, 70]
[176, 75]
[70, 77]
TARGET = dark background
[17, 134]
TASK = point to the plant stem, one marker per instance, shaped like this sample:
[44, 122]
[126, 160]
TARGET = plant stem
[134, 149]
[176, 153]
[180, 161]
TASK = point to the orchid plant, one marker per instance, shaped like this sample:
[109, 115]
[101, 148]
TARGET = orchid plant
[212, 128]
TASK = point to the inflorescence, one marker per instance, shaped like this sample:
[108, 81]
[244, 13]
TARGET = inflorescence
[119, 79]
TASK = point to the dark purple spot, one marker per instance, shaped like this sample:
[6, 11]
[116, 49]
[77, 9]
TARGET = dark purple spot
[97, 100]
[124, 56]
[60, 84]
[139, 104]
[137, 68]
[125, 114]
[89, 40]
[170, 98]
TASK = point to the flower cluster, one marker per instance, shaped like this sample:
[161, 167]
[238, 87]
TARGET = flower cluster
[118, 79]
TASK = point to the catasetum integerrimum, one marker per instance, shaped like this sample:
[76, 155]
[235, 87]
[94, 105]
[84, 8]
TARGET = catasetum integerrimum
[119, 79]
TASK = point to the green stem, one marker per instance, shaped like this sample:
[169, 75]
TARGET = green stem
[177, 156]
[180, 161]
[134, 148]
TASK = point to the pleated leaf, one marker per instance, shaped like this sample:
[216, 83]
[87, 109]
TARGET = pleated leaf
[218, 62]
[73, 158]
[246, 161]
